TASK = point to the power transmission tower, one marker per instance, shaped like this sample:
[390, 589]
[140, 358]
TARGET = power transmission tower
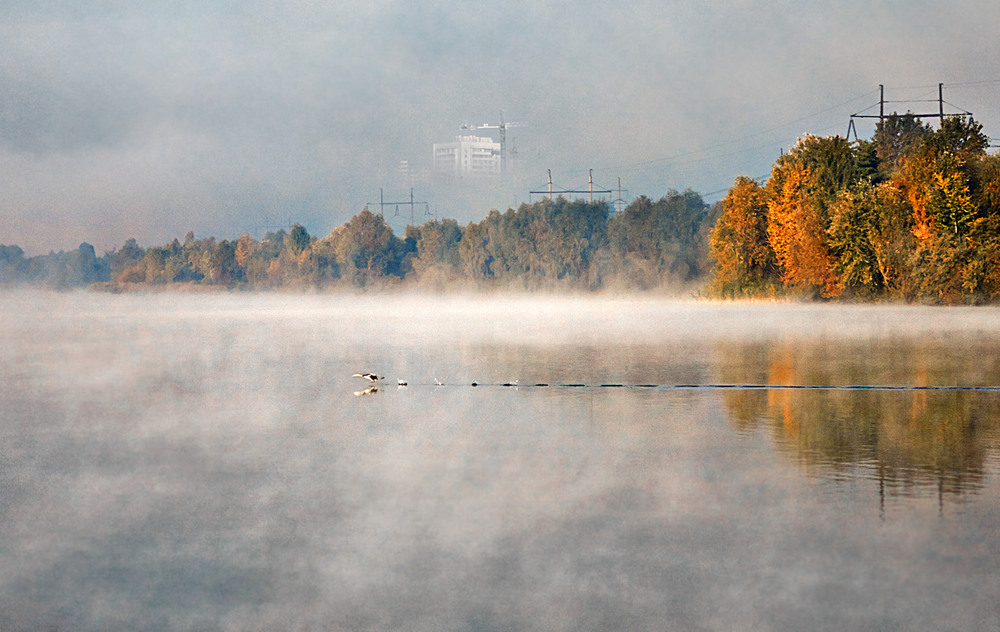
[550, 192]
[940, 115]
[619, 202]
[382, 204]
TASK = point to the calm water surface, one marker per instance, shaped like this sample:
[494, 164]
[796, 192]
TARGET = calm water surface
[201, 462]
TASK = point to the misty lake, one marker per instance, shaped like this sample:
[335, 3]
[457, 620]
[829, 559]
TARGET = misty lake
[202, 462]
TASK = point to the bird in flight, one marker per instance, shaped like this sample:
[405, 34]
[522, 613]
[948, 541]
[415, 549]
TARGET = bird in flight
[371, 377]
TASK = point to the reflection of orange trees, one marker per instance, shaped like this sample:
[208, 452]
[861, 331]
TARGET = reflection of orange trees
[919, 397]
[781, 370]
[911, 438]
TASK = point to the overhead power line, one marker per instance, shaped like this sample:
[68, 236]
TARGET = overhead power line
[382, 204]
[735, 141]
[940, 114]
[552, 191]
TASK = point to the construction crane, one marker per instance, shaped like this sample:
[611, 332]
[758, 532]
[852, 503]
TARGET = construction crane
[503, 127]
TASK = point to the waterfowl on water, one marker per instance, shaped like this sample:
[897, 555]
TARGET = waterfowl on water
[371, 377]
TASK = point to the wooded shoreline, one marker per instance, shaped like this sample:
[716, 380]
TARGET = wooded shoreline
[912, 215]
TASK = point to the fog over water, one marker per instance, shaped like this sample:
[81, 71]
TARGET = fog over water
[189, 462]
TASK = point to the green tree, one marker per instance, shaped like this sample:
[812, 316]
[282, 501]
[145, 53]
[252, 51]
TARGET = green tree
[366, 248]
[473, 251]
[219, 262]
[656, 242]
[13, 265]
[436, 246]
[853, 222]
[297, 240]
[154, 263]
[896, 138]
[960, 136]
[126, 263]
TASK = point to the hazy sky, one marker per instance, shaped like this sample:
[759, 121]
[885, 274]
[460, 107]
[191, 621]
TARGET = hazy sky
[148, 119]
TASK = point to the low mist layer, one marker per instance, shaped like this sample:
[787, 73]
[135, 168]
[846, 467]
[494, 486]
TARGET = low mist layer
[196, 461]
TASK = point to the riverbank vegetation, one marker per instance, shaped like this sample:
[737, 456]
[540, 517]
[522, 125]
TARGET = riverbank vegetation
[552, 244]
[911, 215]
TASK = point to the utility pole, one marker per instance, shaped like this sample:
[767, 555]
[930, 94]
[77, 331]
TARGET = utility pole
[382, 204]
[941, 102]
[881, 116]
[590, 190]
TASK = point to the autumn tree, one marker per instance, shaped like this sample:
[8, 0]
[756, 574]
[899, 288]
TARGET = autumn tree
[744, 260]
[125, 263]
[797, 231]
[436, 246]
[473, 252]
[366, 248]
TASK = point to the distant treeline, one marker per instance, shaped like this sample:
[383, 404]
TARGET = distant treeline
[549, 244]
[913, 215]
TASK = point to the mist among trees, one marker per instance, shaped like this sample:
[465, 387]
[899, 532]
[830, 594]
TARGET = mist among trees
[550, 244]
[912, 215]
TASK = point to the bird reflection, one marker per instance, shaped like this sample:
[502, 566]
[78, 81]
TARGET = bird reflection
[371, 390]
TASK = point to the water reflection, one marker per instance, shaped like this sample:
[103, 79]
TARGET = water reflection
[202, 463]
[911, 441]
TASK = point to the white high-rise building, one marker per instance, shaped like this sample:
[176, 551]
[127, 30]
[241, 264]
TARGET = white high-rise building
[467, 157]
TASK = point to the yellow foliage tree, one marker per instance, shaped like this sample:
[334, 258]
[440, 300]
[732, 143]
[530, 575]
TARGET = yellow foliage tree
[797, 231]
[744, 260]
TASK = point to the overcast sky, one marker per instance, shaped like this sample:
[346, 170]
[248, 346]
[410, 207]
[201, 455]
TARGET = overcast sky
[148, 119]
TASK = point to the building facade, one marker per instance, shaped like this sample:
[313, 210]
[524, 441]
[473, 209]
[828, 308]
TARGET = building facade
[467, 157]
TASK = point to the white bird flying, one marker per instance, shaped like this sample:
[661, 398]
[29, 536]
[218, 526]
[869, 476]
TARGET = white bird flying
[371, 377]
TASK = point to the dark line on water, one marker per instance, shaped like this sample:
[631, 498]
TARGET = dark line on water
[772, 387]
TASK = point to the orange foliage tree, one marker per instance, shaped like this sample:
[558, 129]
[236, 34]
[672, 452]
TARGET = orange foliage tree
[744, 260]
[796, 230]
